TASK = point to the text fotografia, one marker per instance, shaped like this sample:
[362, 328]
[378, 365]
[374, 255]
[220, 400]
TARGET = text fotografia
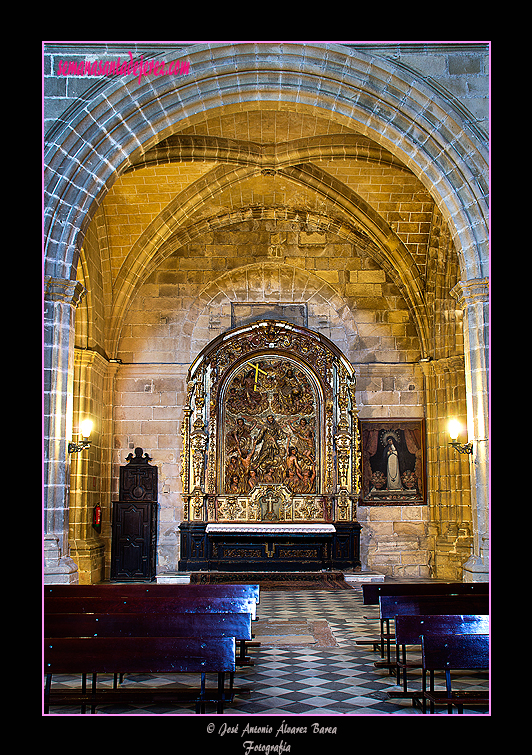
[119, 67]
[250, 746]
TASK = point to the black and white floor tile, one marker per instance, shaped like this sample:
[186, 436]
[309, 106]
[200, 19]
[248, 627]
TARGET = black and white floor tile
[292, 680]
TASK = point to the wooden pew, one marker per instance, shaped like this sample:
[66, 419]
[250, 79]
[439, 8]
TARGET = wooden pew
[252, 592]
[391, 606]
[112, 626]
[408, 631]
[162, 608]
[372, 591]
[449, 653]
[175, 655]
[146, 625]
[153, 590]
[122, 612]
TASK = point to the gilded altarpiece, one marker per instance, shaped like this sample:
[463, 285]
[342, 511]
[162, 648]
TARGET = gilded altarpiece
[270, 444]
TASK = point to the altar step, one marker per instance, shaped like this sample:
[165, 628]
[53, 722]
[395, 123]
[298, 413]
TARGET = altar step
[353, 578]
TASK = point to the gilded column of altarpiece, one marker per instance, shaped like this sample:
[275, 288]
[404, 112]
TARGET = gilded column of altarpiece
[270, 432]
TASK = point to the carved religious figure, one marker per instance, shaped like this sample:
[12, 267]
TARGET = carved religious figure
[270, 418]
[270, 438]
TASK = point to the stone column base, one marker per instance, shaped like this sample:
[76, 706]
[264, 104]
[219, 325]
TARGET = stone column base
[58, 570]
[90, 557]
[475, 570]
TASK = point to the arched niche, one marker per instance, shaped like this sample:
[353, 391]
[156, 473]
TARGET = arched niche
[270, 432]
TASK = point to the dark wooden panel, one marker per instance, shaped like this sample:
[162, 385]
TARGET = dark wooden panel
[133, 546]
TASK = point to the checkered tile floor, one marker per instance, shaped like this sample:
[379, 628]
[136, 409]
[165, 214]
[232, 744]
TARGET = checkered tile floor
[305, 680]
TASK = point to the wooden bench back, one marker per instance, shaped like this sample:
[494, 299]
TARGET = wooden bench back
[135, 655]
[147, 625]
[400, 605]
[373, 590]
[408, 629]
[153, 590]
[123, 604]
[455, 651]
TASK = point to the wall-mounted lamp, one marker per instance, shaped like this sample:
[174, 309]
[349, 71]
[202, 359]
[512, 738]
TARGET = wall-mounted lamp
[454, 428]
[86, 429]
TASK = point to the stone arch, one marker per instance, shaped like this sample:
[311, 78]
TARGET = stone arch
[412, 119]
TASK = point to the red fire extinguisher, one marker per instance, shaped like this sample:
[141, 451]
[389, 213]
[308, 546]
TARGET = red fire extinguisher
[97, 517]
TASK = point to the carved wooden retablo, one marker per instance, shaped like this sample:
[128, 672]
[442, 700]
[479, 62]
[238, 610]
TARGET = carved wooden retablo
[270, 432]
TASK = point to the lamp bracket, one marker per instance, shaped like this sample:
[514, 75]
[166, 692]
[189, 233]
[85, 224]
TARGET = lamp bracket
[462, 448]
[74, 448]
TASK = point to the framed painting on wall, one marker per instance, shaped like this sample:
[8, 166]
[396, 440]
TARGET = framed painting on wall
[393, 462]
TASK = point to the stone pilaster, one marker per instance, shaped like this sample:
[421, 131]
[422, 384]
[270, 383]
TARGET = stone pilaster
[61, 298]
[448, 472]
[91, 470]
[473, 297]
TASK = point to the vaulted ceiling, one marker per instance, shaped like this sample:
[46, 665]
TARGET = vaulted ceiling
[265, 163]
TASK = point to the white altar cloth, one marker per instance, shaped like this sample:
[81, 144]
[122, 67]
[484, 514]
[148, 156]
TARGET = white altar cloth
[272, 529]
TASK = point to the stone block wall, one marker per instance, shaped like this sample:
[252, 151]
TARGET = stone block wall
[395, 541]
[148, 402]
